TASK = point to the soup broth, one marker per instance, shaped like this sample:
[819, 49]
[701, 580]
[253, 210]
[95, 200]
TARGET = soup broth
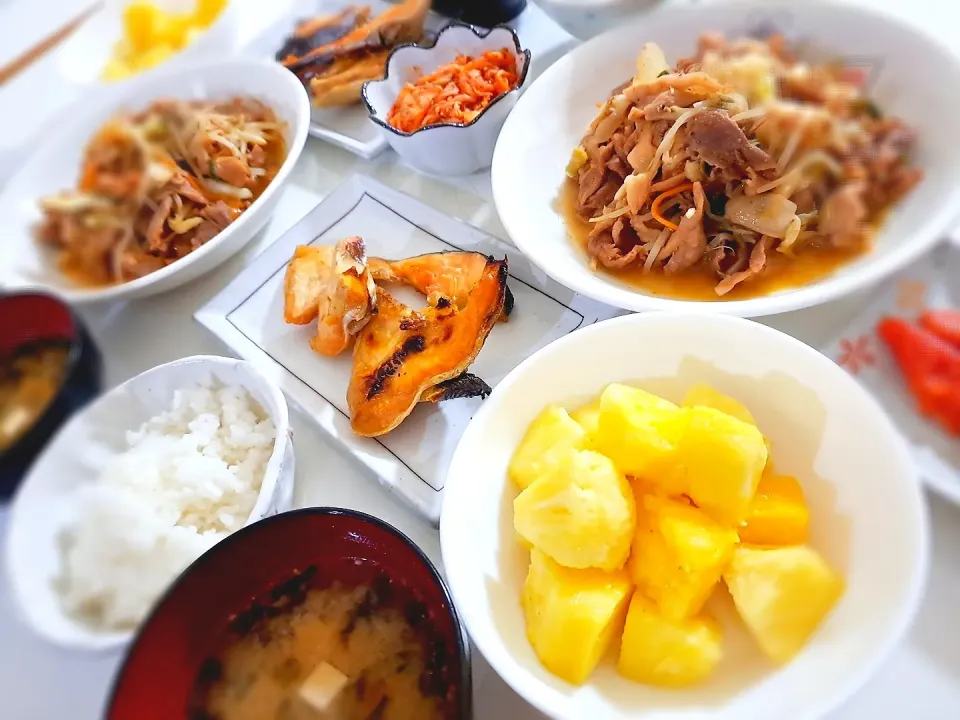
[30, 378]
[392, 669]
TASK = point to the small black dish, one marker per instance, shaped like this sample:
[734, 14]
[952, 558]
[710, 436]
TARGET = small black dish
[485, 13]
[34, 318]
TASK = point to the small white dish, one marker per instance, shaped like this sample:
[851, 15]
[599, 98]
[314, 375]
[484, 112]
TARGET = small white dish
[446, 149]
[586, 18]
[868, 515]
[55, 165]
[41, 506]
[84, 54]
[554, 112]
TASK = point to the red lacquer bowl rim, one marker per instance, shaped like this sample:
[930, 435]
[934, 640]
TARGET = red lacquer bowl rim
[224, 546]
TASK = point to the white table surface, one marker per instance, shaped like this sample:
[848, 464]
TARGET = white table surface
[921, 680]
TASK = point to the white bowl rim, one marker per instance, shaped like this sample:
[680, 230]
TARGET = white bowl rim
[109, 640]
[826, 289]
[493, 651]
[480, 33]
[113, 97]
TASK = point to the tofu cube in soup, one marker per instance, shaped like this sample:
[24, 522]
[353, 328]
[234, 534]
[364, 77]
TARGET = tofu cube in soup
[679, 553]
[667, 653]
[572, 615]
[581, 513]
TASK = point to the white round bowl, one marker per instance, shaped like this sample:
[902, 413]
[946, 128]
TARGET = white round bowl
[552, 115]
[55, 166]
[84, 54]
[867, 513]
[41, 508]
[447, 149]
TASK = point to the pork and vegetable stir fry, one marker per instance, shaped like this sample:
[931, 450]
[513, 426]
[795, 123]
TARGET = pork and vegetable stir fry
[157, 185]
[733, 154]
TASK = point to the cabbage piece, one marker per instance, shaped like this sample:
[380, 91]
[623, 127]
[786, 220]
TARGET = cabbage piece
[651, 63]
[768, 214]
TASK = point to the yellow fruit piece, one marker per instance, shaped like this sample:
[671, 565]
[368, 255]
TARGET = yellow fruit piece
[550, 435]
[667, 653]
[116, 70]
[708, 397]
[638, 431]
[678, 555]
[777, 514]
[155, 56]
[140, 23]
[581, 513]
[588, 417]
[719, 461]
[207, 11]
[572, 615]
[782, 594]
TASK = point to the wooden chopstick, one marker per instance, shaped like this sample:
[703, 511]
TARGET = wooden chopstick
[21, 63]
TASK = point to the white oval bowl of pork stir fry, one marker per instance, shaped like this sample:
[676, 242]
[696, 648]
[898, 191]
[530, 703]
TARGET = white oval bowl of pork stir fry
[147, 187]
[741, 158]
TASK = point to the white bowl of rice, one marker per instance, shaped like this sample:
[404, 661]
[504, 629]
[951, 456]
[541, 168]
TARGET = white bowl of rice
[136, 487]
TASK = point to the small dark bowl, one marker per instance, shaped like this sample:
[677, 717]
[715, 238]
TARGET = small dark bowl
[189, 624]
[35, 317]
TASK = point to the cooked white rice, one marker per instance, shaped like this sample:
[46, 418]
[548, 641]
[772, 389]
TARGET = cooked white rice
[189, 478]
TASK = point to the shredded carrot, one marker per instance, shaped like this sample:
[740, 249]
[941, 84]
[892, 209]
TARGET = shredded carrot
[655, 207]
[455, 93]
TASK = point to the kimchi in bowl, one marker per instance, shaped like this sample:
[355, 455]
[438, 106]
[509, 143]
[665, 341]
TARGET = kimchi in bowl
[745, 159]
[148, 186]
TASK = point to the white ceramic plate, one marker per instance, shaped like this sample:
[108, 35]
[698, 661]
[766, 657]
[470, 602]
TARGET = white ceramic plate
[908, 72]
[928, 283]
[412, 460]
[41, 508]
[868, 516]
[55, 166]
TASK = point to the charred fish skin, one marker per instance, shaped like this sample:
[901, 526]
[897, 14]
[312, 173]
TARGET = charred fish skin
[461, 387]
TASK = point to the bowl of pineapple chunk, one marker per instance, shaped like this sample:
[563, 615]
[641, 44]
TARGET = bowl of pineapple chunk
[673, 515]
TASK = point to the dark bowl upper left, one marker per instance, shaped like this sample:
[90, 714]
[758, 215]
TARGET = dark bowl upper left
[34, 316]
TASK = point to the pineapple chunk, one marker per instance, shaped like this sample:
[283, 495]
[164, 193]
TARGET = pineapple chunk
[588, 417]
[778, 514]
[638, 431]
[581, 513]
[678, 555]
[667, 653]
[551, 434]
[572, 615]
[782, 594]
[708, 397]
[719, 461]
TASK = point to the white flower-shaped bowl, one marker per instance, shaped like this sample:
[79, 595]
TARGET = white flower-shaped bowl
[42, 507]
[448, 149]
[867, 514]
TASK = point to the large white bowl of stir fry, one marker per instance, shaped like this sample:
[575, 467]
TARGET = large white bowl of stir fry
[749, 158]
[148, 186]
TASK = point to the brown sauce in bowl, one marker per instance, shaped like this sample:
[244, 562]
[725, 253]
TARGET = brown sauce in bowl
[30, 378]
[782, 272]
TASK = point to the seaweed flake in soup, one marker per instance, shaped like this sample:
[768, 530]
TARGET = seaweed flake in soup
[309, 651]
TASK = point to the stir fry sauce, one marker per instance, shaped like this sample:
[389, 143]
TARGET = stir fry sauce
[154, 186]
[351, 653]
[30, 378]
[699, 283]
[741, 164]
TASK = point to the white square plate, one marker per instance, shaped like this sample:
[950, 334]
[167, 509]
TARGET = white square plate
[349, 127]
[412, 460]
